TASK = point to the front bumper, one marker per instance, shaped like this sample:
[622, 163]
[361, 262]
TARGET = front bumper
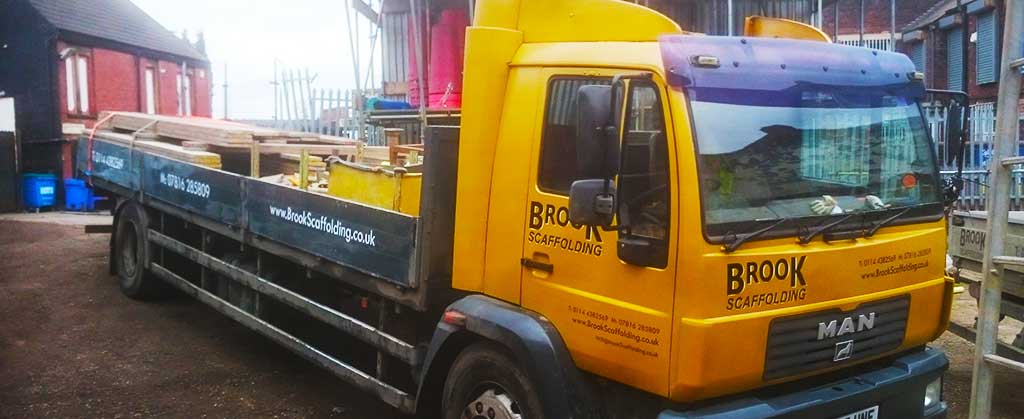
[897, 390]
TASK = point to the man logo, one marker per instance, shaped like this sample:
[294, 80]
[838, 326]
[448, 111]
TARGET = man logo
[844, 350]
[845, 326]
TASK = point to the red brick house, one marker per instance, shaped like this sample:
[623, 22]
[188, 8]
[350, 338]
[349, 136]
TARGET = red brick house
[65, 61]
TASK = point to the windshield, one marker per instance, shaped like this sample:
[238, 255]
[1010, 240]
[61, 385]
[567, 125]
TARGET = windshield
[829, 151]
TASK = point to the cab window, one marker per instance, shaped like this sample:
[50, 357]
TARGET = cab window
[558, 140]
[644, 205]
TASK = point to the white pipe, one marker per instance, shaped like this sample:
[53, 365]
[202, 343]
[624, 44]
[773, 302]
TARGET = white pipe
[729, 2]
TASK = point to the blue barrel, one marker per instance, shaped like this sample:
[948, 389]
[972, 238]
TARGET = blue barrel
[39, 190]
[77, 196]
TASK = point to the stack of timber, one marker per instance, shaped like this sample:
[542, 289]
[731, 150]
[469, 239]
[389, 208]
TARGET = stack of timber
[202, 158]
[375, 175]
[185, 129]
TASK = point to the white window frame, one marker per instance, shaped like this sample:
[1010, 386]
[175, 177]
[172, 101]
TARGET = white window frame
[149, 79]
[76, 75]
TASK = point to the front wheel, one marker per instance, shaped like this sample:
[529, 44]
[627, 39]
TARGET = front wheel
[484, 382]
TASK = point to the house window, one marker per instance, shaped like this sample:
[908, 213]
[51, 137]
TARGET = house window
[188, 95]
[955, 59]
[987, 58]
[76, 75]
[150, 82]
[181, 106]
[184, 94]
[917, 55]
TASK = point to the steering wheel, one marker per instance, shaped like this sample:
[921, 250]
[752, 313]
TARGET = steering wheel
[644, 197]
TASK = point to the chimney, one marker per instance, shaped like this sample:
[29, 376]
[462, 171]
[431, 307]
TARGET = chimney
[201, 43]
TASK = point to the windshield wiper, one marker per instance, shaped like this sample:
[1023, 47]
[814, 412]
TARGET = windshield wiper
[806, 238]
[879, 224]
[739, 240]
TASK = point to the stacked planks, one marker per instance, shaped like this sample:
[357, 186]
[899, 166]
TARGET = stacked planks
[203, 140]
[202, 158]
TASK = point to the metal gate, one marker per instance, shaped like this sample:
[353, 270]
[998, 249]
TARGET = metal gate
[977, 155]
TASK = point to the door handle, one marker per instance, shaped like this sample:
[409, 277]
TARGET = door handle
[540, 266]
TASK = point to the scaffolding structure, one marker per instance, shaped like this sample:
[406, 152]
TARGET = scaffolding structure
[995, 259]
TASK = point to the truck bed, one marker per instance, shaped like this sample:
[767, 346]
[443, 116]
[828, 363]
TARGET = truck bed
[967, 248]
[317, 230]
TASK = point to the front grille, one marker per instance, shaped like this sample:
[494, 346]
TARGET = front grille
[793, 345]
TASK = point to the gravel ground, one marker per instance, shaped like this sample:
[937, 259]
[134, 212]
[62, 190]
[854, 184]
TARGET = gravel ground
[72, 346]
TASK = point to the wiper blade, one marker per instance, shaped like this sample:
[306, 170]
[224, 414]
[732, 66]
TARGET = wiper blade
[806, 238]
[736, 243]
[879, 224]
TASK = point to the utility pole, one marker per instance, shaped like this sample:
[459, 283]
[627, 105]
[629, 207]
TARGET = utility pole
[225, 90]
[277, 101]
[998, 208]
[892, 25]
[835, 17]
[861, 30]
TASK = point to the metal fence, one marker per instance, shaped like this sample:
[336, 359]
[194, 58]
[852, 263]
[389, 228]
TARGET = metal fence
[977, 154]
[301, 107]
[879, 41]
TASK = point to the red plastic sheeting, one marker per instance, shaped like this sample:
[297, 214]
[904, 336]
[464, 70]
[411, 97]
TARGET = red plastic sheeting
[445, 53]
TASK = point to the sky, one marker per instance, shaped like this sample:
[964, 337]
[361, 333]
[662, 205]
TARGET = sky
[249, 35]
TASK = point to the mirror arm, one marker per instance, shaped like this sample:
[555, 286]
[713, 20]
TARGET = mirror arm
[955, 184]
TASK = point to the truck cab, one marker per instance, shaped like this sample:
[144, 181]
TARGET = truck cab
[701, 216]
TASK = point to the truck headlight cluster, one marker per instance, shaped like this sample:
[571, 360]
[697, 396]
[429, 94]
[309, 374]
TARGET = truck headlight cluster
[933, 393]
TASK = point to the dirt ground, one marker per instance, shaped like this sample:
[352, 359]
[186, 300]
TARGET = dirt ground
[72, 346]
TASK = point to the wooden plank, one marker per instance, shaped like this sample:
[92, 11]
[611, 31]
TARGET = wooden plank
[203, 158]
[192, 129]
[195, 146]
[330, 139]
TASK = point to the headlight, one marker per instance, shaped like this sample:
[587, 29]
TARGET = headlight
[933, 393]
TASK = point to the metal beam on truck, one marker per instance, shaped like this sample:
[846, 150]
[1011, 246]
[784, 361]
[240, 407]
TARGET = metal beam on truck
[389, 394]
[392, 345]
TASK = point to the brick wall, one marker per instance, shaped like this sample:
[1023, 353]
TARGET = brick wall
[201, 98]
[168, 86]
[117, 86]
[936, 70]
[987, 92]
[877, 15]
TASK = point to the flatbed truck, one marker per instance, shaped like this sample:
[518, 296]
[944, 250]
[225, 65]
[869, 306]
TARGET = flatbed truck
[630, 221]
[967, 248]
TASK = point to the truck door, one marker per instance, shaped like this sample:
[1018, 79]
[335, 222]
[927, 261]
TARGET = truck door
[615, 316]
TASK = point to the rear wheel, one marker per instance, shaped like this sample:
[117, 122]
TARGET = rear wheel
[131, 254]
[485, 383]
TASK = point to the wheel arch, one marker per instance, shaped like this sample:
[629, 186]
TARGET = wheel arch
[531, 339]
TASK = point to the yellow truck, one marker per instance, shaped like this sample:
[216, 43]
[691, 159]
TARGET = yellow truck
[631, 221]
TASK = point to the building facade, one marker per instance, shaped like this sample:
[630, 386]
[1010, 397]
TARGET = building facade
[65, 61]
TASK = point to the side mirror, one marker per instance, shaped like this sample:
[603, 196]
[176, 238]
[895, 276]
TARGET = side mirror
[597, 145]
[954, 131]
[592, 202]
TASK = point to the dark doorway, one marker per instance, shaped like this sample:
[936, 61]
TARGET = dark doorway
[8, 157]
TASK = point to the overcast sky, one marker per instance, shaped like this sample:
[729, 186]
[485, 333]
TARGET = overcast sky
[247, 36]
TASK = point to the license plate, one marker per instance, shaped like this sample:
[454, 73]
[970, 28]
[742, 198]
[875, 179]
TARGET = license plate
[869, 413]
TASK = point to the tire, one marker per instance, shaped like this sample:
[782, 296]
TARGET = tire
[484, 382]
[131, 254]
